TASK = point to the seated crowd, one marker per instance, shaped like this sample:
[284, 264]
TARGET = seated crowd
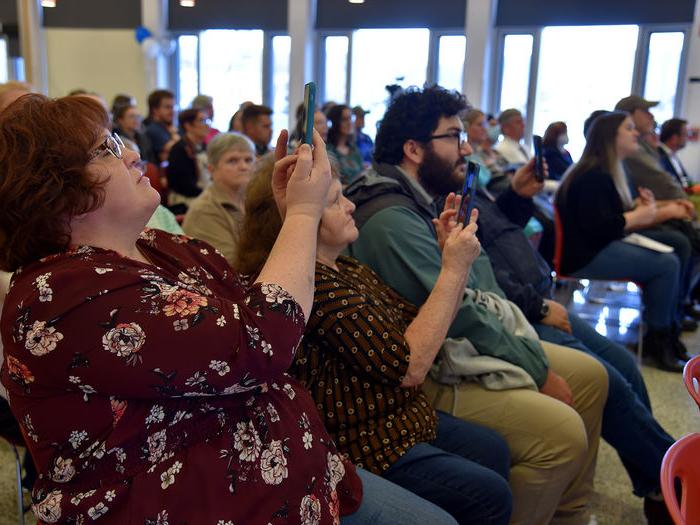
[310, 335]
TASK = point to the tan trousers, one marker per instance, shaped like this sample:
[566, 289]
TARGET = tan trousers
[553, 446]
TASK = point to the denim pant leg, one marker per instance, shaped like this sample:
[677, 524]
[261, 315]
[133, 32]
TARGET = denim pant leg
[684, 251]
[658, 273]
[615, 354]
[384, 503]
[628, 425]
[464, 471]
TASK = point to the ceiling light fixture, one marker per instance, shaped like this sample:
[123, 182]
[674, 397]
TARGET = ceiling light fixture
[356, 1]
[187, 3]
[48, 3]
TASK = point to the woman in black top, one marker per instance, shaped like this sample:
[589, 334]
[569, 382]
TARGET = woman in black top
[597, 210]
[185, 174]
[553, 142]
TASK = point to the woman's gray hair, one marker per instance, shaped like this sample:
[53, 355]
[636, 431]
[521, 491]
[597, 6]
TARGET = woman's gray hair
[224, 142]
[202, 102]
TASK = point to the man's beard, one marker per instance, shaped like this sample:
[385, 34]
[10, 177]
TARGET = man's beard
[438, 176]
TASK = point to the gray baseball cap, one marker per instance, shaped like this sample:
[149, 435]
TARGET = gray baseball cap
[633, 102]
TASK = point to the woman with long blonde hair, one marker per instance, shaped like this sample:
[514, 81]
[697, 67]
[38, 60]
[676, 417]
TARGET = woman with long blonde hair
[597, 210]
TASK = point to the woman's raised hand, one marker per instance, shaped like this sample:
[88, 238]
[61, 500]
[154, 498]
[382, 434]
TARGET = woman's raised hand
[300, 181]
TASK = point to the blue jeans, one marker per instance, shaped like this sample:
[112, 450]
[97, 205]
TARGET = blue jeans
[384, 503]
[628, 424]
[657, 273]
[684, 251]
[463, 471]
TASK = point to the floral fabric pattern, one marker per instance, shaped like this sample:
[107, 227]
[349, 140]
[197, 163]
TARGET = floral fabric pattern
[157, 393]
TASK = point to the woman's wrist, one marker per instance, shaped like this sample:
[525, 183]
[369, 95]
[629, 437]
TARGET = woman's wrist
[303, 213]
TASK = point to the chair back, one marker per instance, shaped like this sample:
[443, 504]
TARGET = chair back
[155, 176]
[691, 378]
[681, 465]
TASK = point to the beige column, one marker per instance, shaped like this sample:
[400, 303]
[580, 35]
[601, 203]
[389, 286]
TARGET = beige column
[480, 30]
[33, 43]
[154, 16]
[301, 23]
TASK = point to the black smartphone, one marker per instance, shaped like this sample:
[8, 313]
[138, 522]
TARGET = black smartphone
[309, 108]
[468, 190]
[539, 166]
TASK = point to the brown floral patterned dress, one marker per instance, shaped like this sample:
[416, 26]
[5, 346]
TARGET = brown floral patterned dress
[157, 393]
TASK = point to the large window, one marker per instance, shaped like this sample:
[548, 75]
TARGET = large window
[563, 73]
[384, 57]
[451, 61]
[188, 69]
[517, 54]
[4, 61]
[356, 67]
[231, 67]
[582, 69]
[230, 77]
[661, 82]
[281, 49]
[336, 68]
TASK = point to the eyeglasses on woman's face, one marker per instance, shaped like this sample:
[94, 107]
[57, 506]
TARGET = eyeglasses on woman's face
[112, 144]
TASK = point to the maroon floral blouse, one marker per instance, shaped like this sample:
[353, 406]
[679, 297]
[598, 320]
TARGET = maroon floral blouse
[157, 393]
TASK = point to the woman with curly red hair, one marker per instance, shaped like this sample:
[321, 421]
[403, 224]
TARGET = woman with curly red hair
[149, 378]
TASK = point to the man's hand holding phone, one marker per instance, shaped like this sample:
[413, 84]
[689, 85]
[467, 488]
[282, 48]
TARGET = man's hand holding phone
[461, 247]
[447, 219]
[524, 182]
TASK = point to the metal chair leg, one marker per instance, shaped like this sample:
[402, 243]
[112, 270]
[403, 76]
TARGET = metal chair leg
[20, 498]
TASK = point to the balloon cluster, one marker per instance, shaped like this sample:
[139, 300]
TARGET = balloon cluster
[153, 46]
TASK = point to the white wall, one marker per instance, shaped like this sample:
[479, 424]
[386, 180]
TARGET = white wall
[101, 60]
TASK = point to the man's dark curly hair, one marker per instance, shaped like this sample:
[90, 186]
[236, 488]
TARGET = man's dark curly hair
[414, 115]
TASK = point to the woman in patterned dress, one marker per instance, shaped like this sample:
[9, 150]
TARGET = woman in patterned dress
[366, 353]
[148, 378]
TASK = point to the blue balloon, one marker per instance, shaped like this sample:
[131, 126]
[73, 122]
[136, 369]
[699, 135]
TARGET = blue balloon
[142, 33]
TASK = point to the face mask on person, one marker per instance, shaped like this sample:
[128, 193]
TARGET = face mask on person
[563, 140]
[484, 177]
[493, 132]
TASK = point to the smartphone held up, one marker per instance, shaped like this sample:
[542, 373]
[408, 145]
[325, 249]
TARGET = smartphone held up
[468, 190]
[539, 164]
[309, 108]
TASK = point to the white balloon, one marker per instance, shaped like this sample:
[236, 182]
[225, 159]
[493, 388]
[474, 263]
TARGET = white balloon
[167, 45]
[151, 48]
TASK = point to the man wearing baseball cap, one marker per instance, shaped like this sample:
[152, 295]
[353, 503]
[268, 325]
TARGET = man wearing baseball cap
[644, 167]
[362, 140]
[644, 170]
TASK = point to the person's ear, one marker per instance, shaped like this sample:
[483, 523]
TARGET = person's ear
[413, 151]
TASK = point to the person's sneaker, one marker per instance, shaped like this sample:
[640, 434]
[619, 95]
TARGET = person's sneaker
[656, 512]
[681, 350]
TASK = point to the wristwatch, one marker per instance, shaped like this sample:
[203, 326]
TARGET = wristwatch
[544, 309]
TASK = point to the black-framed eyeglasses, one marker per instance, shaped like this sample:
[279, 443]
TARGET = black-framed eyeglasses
[459, 136]
[113, 144]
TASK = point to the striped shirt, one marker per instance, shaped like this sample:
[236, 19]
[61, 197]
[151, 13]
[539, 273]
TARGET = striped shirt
[353, 359]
